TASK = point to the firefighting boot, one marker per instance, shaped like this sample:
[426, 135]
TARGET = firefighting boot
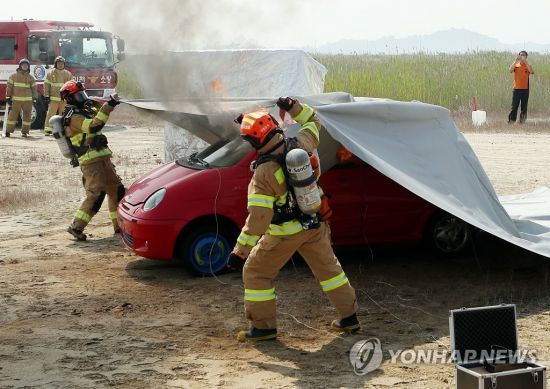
[347, 324]
[24, 134]
[257, 335]
[78, 234]
[116, 227]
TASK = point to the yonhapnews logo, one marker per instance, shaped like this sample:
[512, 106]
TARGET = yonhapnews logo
[366, 356]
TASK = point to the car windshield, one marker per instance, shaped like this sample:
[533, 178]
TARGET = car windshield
[224, 153]
[82, 49]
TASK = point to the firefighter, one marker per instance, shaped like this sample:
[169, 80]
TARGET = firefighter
[269, 238]
[20, 94]
[83, 123]
[54, 81]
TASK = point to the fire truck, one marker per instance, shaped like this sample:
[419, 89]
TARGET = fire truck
[88, 56]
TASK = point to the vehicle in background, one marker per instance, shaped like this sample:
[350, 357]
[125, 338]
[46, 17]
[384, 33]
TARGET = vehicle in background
[192, 209]
[88, 56]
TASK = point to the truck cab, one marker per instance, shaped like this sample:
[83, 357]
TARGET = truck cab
[88, 54]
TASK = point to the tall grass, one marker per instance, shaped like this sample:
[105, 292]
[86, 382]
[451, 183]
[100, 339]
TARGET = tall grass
[443, 79]
[449, 80]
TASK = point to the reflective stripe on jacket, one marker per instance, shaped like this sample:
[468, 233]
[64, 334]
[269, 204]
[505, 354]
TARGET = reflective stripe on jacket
[21, 86]
[54, 81]
[268, 185]
[82, 130]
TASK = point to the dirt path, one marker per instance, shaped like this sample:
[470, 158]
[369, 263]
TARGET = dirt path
[93, 315]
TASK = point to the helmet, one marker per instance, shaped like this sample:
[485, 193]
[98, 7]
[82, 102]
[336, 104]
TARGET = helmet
[74, 93]
[58, 59]
[258, 128]
[24, 60]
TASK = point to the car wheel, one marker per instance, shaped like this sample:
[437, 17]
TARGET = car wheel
[448, 235]
[38, 114]
[204, 251]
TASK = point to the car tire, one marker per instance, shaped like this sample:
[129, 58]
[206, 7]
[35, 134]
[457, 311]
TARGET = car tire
[40, 109]
[448, 235]
[204, 242]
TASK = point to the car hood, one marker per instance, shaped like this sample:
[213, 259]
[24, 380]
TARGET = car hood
[162, 177]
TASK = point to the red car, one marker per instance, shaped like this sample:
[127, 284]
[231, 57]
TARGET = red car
[192, 209]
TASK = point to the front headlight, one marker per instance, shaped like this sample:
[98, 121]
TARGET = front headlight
[154, 199]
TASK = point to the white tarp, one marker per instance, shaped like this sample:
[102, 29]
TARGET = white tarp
[240, 73]
[418, 146]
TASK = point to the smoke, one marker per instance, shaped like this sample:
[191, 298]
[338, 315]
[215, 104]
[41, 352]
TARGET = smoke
[154, 31]
[150, 27]
[157, 33]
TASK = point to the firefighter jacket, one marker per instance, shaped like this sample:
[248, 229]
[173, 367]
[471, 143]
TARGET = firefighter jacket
[82, 127]
[268, 185]
[21, 86]
[54, 81]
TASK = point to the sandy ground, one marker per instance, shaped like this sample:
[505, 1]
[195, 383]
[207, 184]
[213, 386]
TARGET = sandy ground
[93, 314]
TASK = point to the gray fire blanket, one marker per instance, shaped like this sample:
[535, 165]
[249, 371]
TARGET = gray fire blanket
[415, 144]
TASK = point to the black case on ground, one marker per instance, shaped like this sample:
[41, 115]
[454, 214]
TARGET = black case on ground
[481, 330]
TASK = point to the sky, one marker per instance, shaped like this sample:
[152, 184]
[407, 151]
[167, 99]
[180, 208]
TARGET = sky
[203, 24]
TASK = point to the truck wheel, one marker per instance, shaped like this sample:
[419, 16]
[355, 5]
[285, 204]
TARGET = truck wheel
[447, 235]
[38, 114]
[205, 251]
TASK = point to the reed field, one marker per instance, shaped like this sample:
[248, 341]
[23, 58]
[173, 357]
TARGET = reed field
[443, 79]
[449, 80]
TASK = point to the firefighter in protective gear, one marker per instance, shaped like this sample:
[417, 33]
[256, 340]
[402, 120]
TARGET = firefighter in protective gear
[266, 242]
[53, 83]
[20, 94]
[83, 123]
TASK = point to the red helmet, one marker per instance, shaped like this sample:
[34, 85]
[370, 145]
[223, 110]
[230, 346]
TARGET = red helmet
[258, 128]
[74, 93]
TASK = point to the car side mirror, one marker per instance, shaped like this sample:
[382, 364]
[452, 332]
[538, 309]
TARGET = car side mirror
[120, 56]
[43, 45]
[120, 45]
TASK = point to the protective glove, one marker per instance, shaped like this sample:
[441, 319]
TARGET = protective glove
[114, 100]
[47, 100]
[239, 119]
[286, 103]
[235, 262]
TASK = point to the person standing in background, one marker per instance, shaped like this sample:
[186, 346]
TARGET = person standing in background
[54, 81]
[522, 70]
[20, 94]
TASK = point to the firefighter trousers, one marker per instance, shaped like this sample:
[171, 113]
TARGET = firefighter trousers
[270, 255]
[13, 116]
[55, 108]
[100, 179]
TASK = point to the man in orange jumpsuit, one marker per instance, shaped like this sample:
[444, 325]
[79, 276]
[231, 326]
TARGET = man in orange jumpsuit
[268, 238]
[522, 70]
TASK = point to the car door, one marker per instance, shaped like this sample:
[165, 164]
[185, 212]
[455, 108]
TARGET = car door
[393, 213]
[344, 185]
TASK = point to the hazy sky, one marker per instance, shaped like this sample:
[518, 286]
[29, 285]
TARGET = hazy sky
[280, 23]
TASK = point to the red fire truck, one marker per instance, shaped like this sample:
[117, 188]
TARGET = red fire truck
[88, 54]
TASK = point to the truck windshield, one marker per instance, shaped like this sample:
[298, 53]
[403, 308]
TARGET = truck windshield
[224, 153]
[87, 49]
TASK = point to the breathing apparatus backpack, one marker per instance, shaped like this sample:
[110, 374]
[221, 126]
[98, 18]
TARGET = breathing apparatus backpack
[305, 201]
[59, 122]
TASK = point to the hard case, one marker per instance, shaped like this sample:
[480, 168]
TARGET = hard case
[475, 332]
